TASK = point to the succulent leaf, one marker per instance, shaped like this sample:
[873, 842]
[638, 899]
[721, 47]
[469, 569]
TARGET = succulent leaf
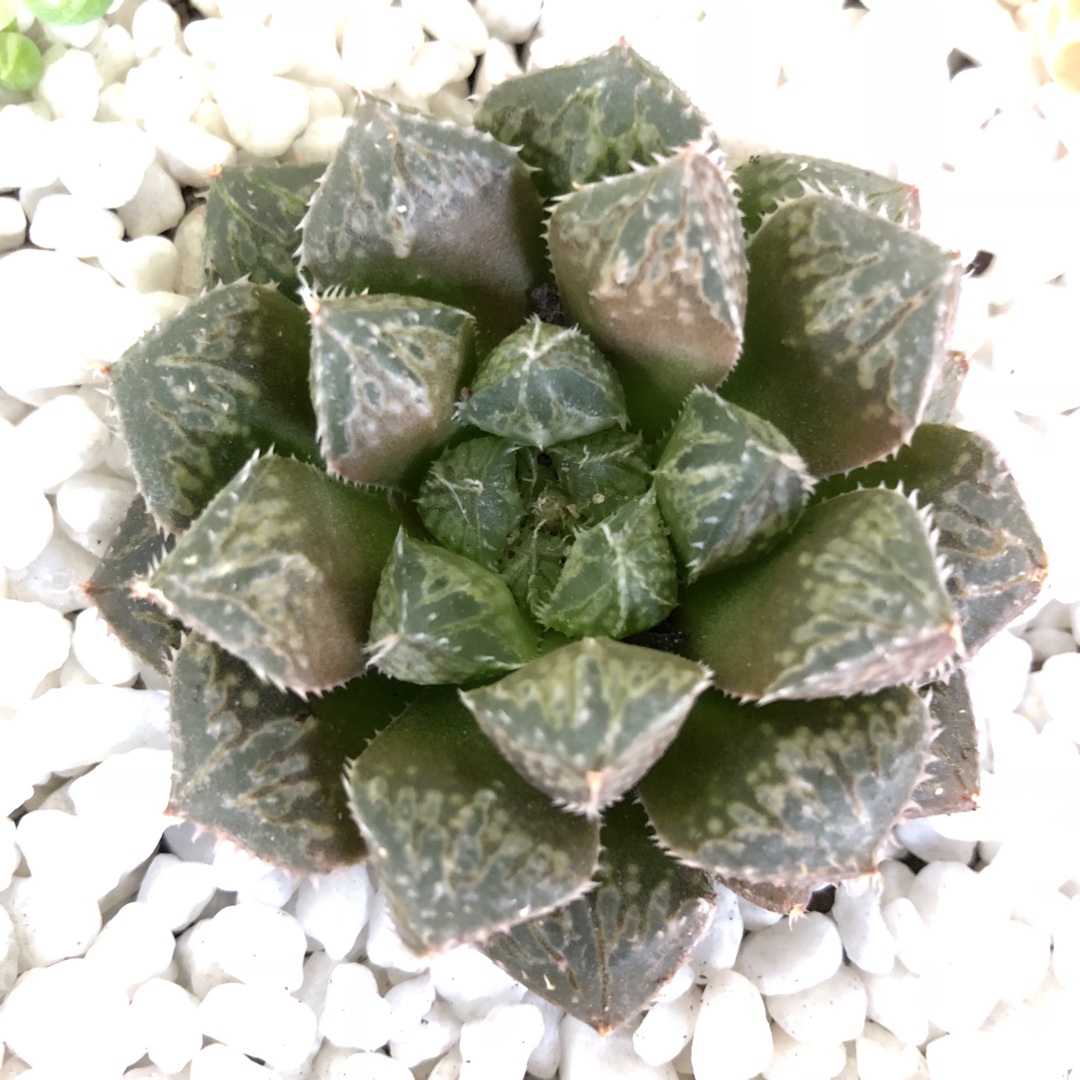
[586, 721]
[469, 499]
[783, 899]
[946, 392]
[544, 384]
[385, 376]
[727, 482]
[263, 767]
[252, 216]
[413, 205]
[847, 317]
[604, 957]
[461, 843]
[652, 266]
[196, 395]
[281, 569]
[583, 121]
[767, 180]
[793, 793]
[602, 472]
[442, 618]
[854, 603]
[951, 781]
[619, 577]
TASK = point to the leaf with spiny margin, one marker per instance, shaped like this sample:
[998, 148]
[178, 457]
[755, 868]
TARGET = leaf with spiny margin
[951, 783]
[253, 213]
[846, 325]
[424, 207]
[767, 180]
[728, 483]
[783, 899]
[602, 472]
[653, 268]
[461, 844]
[619, 577]
[281, 569]
[580, 122]
[261, 766]
[196, 395]
[544, 384]
[996, 561]
[385, 376]
[793, 793]
[442, 618]
[533, 564]
[849, 602]
[586, 721]
[604, 957]
[469, 500]
[139, 623]
[946, 392]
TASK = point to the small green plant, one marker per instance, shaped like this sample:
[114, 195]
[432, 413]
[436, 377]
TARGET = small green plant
[586, 508]
[21, 63]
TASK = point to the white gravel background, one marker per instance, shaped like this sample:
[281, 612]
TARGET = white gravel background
[124, 952]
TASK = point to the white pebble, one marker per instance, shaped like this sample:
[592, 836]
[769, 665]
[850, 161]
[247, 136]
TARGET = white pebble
[104, 163]
[12, 224]
[74, 226]
[833, 1011]
[53, 921]
[667, 1028]
[353, 1014]
[55, 577]
[272, 889]
[857, 913]
[439, 1030]
[193, 155]
[197, 968]
[101, 652]
[165, 1016]
[31, 157]
[498, 1046]
[262, 1021]
[264, 113]
[259, 945]
[70, 86]
[134, 945]
[587, 1055]
[114, 53]
[435, 64]
[921, 838]
[154, 27]
[544, 1060]
[718, 949]
[167, 87]
[453, 21]
[155, 208]
[377, 46]
[1022, 960]
[92, 505]
[117, 105]
[511, 21]
[1058, 682]
[217, 1062]
[320, 140]
[897, 1001]
[37, 640]
[179, 890]
[732, 1038]
[9, 852]
[1066, 958]
[1047, 641]
[333, 908]
[323, 104]
[58, 846]
[880, 1055]
[385, 948]
[909, 932]
[793, 1060]
[755, 917]
[792, 955]
[9, 957]
[147, 264]
[997, 675]
[409, 1002]
[498, 64]
[29, 521]
[472, 983]
[367, 1066]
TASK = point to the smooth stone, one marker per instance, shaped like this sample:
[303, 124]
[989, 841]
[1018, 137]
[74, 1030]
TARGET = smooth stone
[791, 955]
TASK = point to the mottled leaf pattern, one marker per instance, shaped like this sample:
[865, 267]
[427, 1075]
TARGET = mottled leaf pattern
[951, 785]
[462, 845]
[847, 317]
[441, 618]
[946, 391]
[619, 577]
[604, 957]
[727, 484]
[586, 721]
[602, 472]
[199, 393]
[385, 376]
[855, 603]
[281, 569]
[794, 793]
[544, 384]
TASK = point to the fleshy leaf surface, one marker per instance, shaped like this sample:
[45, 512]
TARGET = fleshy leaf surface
[463, 846]
[586, 721]
[604, 957]
[262, 766]
[602, 472]
[854, 599]
[793, 793]
[951, 785]
[544, 384]
[580, 122]
[727, 483]
[846, 324]
[199, 393]
[281, 569]
[386, 371]
[946, 391]
[442, 618]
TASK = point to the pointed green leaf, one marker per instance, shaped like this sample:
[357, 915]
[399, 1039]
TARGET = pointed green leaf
[253, 213]
[462, 845]
[469, 500]
[281, 569]
[783, 899]
[652, 267]
[263, 767]
[534, 563]
[727, 484]
[946, 391]
[544, 384]
[385, 376]
[604, 957]
[441, 618]
[767, 180]
[139, 623]
[853, 602]
[602, 472]
[198, 394]
[793, 793]
[846, 325]
[951, 784]
[585, 722]
[580, 122]
[619, 577]
[419, 206]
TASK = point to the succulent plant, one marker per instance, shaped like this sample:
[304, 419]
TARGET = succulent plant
[573, 525]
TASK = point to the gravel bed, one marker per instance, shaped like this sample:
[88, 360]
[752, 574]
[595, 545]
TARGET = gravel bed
[130, 946]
